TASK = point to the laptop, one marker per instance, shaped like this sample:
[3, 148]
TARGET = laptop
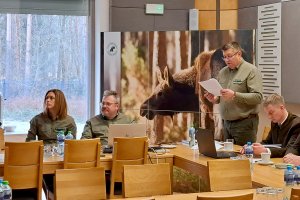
[125, 130]
[206, 145]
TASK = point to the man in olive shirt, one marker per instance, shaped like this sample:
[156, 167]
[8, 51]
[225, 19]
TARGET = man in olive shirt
[240, 96]
[97, 127]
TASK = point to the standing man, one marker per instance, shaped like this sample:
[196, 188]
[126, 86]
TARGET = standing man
[240, 96]
[97, 126]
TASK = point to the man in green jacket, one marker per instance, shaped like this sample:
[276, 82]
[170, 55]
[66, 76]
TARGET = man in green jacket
[240, 96]
[97, 126]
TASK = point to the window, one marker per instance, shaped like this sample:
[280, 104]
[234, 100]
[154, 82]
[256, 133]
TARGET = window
[39, 52]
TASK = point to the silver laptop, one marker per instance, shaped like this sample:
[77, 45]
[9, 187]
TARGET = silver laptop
[125, 130]
[206, 145]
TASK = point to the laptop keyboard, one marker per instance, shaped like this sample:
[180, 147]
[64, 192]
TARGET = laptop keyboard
[226, 154]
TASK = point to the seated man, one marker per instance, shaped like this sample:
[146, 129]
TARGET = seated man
[285, 129]
[97, 126]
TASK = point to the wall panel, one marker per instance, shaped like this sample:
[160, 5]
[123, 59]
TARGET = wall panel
[228, 19]
[255, 3]
[206, 4]
[247, 18]
[228, 4]
[207, 20]
[290, 51]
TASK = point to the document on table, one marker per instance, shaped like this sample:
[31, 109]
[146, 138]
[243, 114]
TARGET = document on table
[272, 145]
[212, 86]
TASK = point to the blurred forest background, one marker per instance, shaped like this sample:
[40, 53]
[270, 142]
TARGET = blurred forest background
[38, 53]
[143, 52]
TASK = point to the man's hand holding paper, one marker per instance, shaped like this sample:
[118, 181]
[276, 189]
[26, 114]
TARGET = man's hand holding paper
[212, 86]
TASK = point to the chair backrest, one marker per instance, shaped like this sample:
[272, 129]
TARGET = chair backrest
[82, 153]
[127, 151]
[248, 196]
[147, 180]
[295, 193]
[23, 165]
[229, 174]
[83, 183]
[266, 132]
[2, 139]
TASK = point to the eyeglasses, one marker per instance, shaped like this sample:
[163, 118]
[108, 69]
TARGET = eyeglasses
[229, 57]
[49, 97]
[107, 103]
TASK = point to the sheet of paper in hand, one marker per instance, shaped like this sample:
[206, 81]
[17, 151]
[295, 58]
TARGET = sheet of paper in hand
[212, 86]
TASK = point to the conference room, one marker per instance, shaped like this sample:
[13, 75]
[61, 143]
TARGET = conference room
[153, 54]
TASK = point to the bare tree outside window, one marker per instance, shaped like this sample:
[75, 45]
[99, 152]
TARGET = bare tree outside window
[37, 53]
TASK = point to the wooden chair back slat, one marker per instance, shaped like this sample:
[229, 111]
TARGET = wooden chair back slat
[83, 183]
[229, 174]
[147, 180]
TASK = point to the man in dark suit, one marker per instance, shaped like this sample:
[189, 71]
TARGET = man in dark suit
[285, 129]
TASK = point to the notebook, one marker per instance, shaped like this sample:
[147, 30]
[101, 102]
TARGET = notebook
[125, 130]
[206, 145]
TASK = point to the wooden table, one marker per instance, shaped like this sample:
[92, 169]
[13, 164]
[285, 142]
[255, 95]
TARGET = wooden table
[193, 196]
[182, 157]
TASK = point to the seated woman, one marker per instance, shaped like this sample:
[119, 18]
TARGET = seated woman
[54, 117]
[44, 125]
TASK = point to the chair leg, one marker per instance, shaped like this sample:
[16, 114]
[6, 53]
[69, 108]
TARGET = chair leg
[112, 189]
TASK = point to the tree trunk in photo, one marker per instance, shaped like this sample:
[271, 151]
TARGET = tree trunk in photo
[162, 62]
[184, 65]
[27, 74]
[8, 58]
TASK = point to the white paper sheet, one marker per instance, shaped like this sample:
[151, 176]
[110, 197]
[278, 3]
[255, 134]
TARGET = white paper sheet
[212, 86]
[272, 145]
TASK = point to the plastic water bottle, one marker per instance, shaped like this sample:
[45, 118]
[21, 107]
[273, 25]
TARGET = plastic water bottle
[289, 181]
[297, 175]
[60, 143]
[69, 136]
[192, 136]
[6, 191]
[1, 190]
[249, 154]
[249, 150]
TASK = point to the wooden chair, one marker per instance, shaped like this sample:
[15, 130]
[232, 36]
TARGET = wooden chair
[82, 153]
[146, 180]
[266, 132]
[248, 196]
[83, 183]
[229, 174]
[2, 139]
[23, 167]
[127, 151]
[78, 154]
[295, 194]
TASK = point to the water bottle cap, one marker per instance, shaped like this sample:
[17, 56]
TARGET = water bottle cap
[5, 182]
[289, 167]
[248, 143]
[298, 167]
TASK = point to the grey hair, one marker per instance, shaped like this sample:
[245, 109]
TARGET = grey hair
[232, 45]
[273, 99]
[112, 93]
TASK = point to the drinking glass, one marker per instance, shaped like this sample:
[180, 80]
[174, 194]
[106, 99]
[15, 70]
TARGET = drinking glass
[261, 194]
[228, 145]
[47, 150]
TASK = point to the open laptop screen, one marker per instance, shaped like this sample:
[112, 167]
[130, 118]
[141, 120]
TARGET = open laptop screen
[125, 130]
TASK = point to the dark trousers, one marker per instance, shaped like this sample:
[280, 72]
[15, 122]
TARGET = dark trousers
[242, 131]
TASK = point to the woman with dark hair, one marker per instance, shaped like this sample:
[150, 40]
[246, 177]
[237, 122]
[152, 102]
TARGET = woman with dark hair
[54, 117]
